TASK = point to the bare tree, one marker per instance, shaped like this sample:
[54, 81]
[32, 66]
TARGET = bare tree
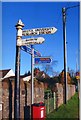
[48, 68]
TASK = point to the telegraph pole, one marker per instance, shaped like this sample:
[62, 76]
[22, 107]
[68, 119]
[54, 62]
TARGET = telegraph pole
[18, 26]
[65, 53]
[65, 66]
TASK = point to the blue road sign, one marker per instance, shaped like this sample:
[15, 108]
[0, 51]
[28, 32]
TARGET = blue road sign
[26, 49]
[29, 50]
[40, 60]
[36, 53]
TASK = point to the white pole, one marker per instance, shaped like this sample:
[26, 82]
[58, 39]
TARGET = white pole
[32, 75]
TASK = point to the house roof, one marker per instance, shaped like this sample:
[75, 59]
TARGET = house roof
[41, 74]
[27, 78]
[4, 72]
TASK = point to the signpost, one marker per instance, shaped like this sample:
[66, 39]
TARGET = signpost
[19, 27]
[78, 80]
[25, 42]
[28, 49]
[38, 31]
[77, 75]
[41, 60]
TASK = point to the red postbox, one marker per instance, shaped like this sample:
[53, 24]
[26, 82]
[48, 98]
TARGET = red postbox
[38, 111]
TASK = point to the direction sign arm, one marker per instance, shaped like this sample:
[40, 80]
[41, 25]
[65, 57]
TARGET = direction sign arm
[25, 42]
[38, 31]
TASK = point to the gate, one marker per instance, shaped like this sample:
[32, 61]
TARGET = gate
[50, 101]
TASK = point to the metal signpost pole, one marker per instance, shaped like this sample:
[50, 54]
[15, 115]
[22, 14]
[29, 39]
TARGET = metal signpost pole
[32, 76]
[65, 66]
[18, 26]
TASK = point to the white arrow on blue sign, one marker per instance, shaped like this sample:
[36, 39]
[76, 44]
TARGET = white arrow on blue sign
[29, 50]
[26, 49]
[40, 60]
[36, 53]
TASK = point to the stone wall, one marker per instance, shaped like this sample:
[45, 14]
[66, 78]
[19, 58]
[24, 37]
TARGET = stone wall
[59, 94]
[0, 100]
[70, 91]
[25, 87]
[25, 95]
[5, 99]
[59, 89]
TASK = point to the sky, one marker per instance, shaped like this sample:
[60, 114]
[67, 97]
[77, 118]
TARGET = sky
[40, 15]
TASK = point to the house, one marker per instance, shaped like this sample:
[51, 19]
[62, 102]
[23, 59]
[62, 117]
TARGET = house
[61, 77]
[6, 73]
[26, 78]
[40, 74]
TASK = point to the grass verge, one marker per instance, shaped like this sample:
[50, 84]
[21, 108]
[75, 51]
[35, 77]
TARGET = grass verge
[69, 111]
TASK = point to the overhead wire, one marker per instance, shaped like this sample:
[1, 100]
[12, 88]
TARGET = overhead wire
[72, 7]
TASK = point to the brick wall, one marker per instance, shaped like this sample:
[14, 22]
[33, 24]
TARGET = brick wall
[8, 96]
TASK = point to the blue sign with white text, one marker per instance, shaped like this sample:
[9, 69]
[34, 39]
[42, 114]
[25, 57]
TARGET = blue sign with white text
[29, 50]
[40, 60]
